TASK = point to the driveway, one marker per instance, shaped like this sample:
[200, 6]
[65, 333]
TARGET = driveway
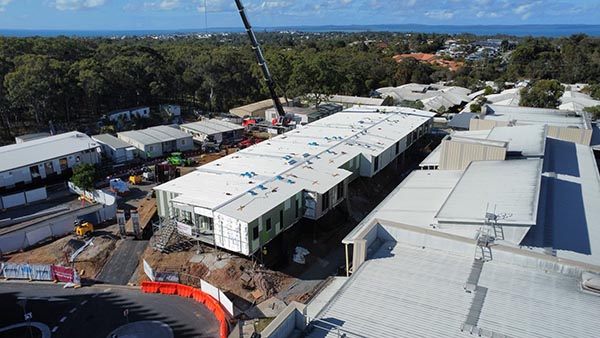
[123, 262]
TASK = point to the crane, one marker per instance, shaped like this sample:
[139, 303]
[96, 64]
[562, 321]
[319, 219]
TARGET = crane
[263, 65]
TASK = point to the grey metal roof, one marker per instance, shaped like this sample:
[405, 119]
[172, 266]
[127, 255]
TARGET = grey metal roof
[140, 137]
[529, 140]
[111, 141]
[411, 291]
[462, 120]
[155, 135]
[40, 150]
[508, 187]
[211, 127]
[172, 132]
[528, 115]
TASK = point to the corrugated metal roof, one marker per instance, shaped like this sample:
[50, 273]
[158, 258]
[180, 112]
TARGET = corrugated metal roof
[528, 140]
[111, 141]
[419, 292]
[510, 188]
[140, 137]
[172, 132]
[154, 135]
[212, 126]
[40, 150]
[309, 156]
[528, 115]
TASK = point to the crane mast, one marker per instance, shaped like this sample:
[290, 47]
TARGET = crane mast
[262, 63]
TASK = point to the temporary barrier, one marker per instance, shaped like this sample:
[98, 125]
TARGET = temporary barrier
[41, 272]
[199, 296]
[63, 274]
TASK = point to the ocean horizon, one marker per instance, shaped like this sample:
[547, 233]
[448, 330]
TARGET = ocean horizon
[483, 30]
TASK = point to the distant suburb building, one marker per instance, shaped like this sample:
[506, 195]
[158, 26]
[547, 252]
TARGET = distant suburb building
[157, 141]
[39, 159]
[221, 131]
[242, 201]
[118, 151]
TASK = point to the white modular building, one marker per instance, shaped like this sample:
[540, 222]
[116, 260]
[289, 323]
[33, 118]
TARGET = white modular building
[39, 159]
[241, 201]
[157, 141]
[117, 150]
[221, 131]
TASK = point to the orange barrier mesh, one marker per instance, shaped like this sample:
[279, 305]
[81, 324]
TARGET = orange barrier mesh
[187, 291]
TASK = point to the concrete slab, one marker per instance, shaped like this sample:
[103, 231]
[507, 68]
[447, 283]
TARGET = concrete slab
[210, 260]
[271, 307]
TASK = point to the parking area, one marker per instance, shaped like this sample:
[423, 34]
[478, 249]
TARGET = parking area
[95, 312]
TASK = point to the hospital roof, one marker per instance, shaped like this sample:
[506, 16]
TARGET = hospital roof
[418, 291]
[510, 188]
[35, 151]
[212, 126]
[304, 158]
[528, 115]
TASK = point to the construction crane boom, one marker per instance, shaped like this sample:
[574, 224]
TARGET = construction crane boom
[261, 62]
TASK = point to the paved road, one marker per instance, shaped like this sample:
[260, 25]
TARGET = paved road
[94, 312]
[123, 262]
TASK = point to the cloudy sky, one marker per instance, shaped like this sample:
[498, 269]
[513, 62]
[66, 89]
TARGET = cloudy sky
[199, 14]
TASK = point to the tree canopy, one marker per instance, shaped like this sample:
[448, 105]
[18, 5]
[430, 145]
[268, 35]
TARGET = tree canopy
[84, 176]
[543, 94]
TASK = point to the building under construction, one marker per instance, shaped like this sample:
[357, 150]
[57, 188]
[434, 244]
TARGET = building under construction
[242, 201]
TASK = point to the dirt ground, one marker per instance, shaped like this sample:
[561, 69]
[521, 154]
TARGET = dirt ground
[88, 263]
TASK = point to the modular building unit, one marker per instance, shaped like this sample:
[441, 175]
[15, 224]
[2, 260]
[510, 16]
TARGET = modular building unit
[115, 149]
[39, 159]
[221, 131]
[157, 141]
[242, 201]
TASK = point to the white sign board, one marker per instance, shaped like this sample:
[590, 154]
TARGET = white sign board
[148, 270]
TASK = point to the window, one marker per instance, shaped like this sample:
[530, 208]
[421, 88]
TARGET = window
[35, 171]
[397, 147]
[63, 163]
[268, 224]
[376, 163]
[182, 142]
[280, 219]
[297, 207]
[340, 190]
[325, 204]
[255, 233]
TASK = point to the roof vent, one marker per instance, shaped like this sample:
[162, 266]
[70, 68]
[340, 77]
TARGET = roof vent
[252, 193]
[590, 282]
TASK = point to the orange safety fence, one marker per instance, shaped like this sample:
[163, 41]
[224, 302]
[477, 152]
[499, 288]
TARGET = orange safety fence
[187, 291]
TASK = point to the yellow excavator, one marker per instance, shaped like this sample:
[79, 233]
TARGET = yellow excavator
[83, 228]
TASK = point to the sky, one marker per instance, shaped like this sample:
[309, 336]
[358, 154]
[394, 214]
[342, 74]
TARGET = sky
[201, 14]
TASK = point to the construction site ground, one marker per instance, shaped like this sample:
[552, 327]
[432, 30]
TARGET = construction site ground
[247, 281]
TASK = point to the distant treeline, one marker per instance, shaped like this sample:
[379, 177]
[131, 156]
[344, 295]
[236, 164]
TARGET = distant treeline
[75, 80]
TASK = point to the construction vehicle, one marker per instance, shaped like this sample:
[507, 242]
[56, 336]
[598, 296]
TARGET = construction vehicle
[283, 119]
[147, 174]
[83, 228]
[177, 159]
[135, 177]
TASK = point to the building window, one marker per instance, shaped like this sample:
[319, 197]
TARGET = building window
[325, 204]
[255, 233]
[376, 163]
[397, 147]
[182, 142]
[297, 207]
[268, 224]
[35, 171]
[63, 163]
[280, 219]
[340, 190]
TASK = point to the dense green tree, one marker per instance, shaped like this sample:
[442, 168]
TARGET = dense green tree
[543, 94]
[84, 176]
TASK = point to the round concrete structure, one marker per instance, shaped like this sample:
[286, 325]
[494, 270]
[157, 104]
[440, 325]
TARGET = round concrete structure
[143, 329]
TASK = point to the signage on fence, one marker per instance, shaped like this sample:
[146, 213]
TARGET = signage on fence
[172, 277]
[64, 274]
[184, 229]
